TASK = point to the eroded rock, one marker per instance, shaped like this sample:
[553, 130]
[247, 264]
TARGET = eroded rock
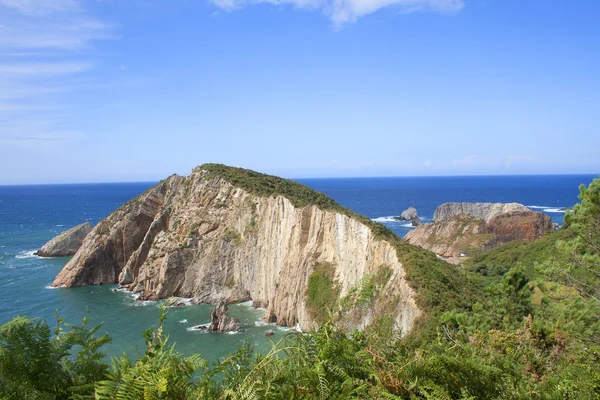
[220, 321]
[479, 227]
[486, 211]
[67, 243]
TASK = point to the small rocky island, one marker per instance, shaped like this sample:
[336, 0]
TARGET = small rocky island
[410, 214]
[67, 243]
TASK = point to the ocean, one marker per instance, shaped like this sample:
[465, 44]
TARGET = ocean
[31, 215]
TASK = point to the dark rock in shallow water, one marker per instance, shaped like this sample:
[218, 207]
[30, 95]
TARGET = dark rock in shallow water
[221, 322]
[269, 332]
[67, 243]
[175, 302]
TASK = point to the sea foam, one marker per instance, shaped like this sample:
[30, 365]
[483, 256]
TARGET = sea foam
[27, 254]
[549, 209]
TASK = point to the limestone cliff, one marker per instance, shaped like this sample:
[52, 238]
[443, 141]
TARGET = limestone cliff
[67, 243]
[206, 237]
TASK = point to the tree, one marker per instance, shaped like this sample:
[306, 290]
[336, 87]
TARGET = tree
[578, 263]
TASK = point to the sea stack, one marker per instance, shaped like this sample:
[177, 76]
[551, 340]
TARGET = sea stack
[410, 214]
[220, 321]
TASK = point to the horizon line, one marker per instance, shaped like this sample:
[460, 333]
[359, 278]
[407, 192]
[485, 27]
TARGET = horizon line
[309, 178]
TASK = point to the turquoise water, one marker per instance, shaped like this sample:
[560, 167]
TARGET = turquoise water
[31, 215]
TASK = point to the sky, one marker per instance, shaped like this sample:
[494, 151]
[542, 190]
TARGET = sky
[135, 90]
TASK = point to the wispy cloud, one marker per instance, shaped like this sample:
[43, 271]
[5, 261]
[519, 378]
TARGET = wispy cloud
[48, 137]
[44, 46]
[345, 11]
[496, 161]
[40, 7]
[38, 69]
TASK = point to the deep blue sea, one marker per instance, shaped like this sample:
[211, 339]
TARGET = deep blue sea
[31, 215]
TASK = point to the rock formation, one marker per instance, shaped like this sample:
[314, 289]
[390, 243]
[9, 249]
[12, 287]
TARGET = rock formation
[207, 238]
[410, 214]
[220, 321]
[487, 211]
[67, 243]
[461, 227]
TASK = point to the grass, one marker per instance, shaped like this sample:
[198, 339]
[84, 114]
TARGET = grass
[322, 292]
[232, 236]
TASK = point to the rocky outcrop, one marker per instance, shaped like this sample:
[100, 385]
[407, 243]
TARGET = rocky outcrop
[67, 243]
[454, 235]
[519, 225]
[410, 214]
[220, 321]
[205, 238]
[486, 211]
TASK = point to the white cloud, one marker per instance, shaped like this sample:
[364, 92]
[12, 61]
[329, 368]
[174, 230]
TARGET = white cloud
[467, 160]
[45, 46]
[40, 7]
[43, 69]
[42, 137]
[344, 11]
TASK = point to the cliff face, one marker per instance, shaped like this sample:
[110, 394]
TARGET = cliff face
[205, 238]
[67, 243]
[461, 227]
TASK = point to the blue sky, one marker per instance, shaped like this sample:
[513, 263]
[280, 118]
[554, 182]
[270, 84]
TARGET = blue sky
[135, 90]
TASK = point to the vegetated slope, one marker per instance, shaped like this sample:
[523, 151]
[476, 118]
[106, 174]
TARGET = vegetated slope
[225, 233]
[497, 261]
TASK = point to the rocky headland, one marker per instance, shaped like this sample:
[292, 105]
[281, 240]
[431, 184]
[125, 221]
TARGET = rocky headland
[225, 234]
[67, 243]
[460, 228]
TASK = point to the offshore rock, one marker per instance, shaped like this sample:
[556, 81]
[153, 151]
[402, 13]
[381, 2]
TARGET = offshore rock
[205, 238]
[221, 322]
[410, 214]
[67, 243]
